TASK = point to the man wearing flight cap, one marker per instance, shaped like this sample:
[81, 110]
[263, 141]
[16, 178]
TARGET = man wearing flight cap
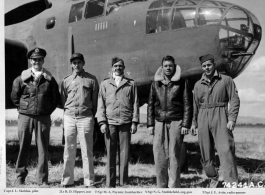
[35, 94]
[79, 93]
[215, 122]
[118, 116]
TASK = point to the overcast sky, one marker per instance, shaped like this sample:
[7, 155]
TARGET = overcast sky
[251, 83]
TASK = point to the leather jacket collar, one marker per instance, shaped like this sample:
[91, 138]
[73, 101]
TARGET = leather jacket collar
[159, 75]
[26, 74]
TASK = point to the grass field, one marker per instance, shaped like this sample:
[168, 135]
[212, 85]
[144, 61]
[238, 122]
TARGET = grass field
[250, 157]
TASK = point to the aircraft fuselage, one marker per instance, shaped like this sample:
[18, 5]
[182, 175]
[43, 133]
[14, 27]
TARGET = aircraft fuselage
[128, 32]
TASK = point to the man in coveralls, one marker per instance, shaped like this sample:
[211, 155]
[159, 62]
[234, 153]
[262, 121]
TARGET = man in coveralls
[36, 95]
[214, 122]
[169, 115]
[79, 93]
[118, 116]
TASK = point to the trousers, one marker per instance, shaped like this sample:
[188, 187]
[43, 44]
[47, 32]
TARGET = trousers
[118, 136]
[84, 128]
[41, 126]
[166, 148]
[212, 131]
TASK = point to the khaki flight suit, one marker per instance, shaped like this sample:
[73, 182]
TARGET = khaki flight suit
[211, 116]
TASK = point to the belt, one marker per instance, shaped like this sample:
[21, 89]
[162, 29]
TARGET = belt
[213, 105]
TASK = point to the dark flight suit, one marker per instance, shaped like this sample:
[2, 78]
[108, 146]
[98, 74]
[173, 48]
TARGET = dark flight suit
[211, 116]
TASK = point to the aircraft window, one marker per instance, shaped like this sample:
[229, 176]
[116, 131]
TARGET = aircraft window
[238, 19]
[253, 46]
[225, 4]
[76, 12]
[255, 27]
[115, 5]
[254, 19]
[224, 22]
[112, 8]
[184, 2]
[94, 8]
[159, 3]
[157, 21]
[238, 40]
[229, 39]
[50, 23]
[183, 18]
[208, 3]
[209, 16]
[235, 64]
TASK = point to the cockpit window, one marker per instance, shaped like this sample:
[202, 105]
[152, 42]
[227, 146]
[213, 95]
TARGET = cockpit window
[236, 18]
[225, 4]
[94, 8]
[157, 21]
[183, 18]
[256, 27]
[208, 3]
[239, 38]
[112, 8]
[159, 3]
[76, 12]
[230, 39]
[254, 18]
[115, 5]
[184, 2]
[209, 16]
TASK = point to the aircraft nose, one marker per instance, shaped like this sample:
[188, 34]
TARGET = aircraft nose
[239, 37]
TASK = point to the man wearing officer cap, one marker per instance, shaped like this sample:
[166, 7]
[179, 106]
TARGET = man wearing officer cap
[35, 94]
[79, 93]
[215, 122]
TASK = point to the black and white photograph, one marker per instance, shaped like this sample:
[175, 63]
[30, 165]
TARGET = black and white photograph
[132, 97]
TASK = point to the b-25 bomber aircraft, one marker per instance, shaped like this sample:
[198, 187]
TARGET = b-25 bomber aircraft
[140, 32]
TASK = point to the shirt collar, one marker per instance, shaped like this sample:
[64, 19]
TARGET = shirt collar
[205, 79]
[123, 80]
[35, 71]
[81, 74]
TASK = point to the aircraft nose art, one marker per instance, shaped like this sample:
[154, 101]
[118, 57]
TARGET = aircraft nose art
[239, 37]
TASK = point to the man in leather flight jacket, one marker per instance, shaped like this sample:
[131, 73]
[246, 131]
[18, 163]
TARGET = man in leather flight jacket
[169, 115]
[35, 93]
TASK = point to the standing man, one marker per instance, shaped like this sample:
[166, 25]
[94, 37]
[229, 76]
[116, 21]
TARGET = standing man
[214, 122]
[118, 116]
[79, 92]
[169, 115]
[35, 94]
